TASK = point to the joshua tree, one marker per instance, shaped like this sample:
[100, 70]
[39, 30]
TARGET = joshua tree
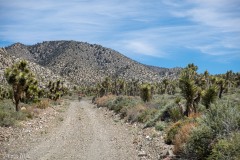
[22, 81]
[209, 96]
[171, 89]
[4, 93]
[190, 91]
[122, 87]
[107, 85]
[237, 79]
[56, 90]
[165, 84]
[32, 90]
[221, 85]
[146, 92]
[207, 78]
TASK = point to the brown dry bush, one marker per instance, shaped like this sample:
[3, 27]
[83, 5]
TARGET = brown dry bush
[102, 101]
[134, 112]
[182, 136]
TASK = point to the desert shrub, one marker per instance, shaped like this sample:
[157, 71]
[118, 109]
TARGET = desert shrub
[163, 101]
[160, 126]
[223, 118]
[175, 114]
[105, 101]
[146, 115]
[134, 112]
[200, 142]
[172, 131]
[156, 116]
[219, 121]
[165, 111]
[150, 123]
[182, 136]
[6, 113]
[8, 117]
[43, 104]
[121, 104]
[126, 106]
[176, 128]
[118, 104]
[227, 148]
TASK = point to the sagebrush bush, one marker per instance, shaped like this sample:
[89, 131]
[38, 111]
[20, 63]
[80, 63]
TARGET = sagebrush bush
[200, 142]
[227, 148]
[126, 106]
[221, 120]
[118, 104]
[6, 119]
[146, 115]
[121, 104]
[134, 112]
[156, 116]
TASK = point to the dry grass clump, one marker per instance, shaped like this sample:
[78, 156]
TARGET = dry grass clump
[134, 112]
[43, 104]
[102, 101]
[195, 115]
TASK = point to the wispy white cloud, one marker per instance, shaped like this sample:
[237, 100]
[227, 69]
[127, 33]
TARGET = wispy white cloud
[217, 32]
[151, 27]
[141, 47]
[215, 13]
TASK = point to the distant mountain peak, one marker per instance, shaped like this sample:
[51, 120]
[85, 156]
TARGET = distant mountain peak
[85, 63]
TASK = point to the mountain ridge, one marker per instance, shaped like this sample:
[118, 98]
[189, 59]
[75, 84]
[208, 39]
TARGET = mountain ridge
[85, 63]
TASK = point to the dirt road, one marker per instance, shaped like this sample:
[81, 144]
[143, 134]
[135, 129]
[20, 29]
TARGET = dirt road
[86, 134]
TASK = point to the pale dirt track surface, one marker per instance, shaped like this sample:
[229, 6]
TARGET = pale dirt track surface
[81, 131]
[85, 135]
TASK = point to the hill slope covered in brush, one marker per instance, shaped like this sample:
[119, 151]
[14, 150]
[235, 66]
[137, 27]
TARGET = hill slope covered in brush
[43, 74]
[84, 63]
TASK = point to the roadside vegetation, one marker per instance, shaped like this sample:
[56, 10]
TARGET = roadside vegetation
[23, 98]
[199, 113]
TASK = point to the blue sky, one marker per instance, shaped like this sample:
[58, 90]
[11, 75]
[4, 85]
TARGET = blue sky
[165, 33]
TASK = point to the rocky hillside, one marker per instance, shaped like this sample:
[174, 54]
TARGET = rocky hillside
[166, 72]
[85, 63]
[43, 74]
